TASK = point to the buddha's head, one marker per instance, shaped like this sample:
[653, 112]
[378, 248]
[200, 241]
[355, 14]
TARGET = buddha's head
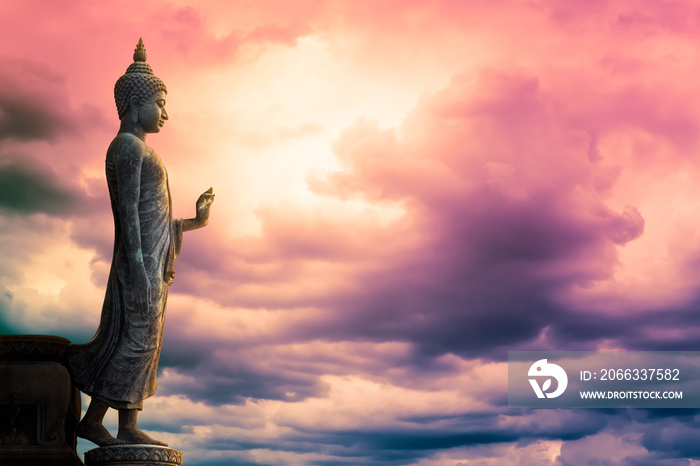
[138, 81]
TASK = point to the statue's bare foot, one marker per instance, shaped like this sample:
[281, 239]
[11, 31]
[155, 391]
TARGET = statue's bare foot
[97, 434]
[134, 436]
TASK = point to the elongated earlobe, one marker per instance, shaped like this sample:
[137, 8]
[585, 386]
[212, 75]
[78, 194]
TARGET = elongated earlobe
[134, 109]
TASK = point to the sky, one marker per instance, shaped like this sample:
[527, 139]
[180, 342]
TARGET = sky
[405, 191]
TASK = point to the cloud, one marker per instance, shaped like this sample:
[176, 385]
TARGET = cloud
[501, 212]
[497, 187]
[187, 31]
[638, 437]
[500, 181]
[33, 103]
[28, 188]
[363, 421]
[279, 34]
[7, 326]
[586, 451]
[675, 440]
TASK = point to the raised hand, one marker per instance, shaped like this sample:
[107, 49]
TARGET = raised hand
[204, 204]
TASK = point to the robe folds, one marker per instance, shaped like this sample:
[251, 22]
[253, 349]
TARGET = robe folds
[119, 365]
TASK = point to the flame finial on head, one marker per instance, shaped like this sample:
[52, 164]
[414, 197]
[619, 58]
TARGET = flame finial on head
[140, 51]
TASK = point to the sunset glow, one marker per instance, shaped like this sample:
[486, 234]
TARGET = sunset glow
[405, 191]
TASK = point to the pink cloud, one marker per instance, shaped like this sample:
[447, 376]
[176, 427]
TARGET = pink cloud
[504, 200]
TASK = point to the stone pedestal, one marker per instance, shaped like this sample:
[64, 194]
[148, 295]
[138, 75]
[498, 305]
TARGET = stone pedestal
[133, 455]
[39, 406]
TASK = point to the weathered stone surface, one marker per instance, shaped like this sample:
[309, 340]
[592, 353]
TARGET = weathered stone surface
[39, 406]
[133, 455]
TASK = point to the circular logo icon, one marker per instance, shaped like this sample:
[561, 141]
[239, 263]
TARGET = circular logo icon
[542, 369]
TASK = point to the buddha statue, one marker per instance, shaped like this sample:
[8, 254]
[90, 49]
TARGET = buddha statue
[117, 368]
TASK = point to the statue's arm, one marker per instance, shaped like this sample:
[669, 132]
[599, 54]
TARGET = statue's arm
[128, 160]
[202, 219]
[182, 225]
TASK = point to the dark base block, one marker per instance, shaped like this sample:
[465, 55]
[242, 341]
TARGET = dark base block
[133, 455]
[46, 458]
[39, 406]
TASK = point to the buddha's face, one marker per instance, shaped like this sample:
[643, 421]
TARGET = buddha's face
[152, 114]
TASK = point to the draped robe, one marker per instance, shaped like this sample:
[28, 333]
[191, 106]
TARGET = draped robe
[119, 365]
